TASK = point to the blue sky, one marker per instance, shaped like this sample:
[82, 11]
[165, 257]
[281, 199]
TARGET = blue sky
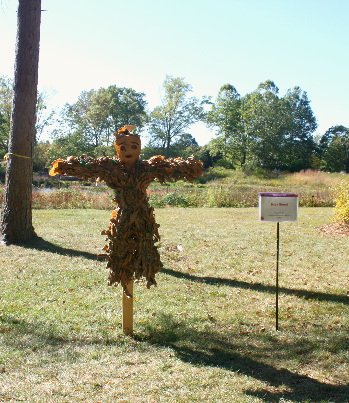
[135, 43]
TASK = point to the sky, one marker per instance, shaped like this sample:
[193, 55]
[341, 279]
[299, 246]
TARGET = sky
[87, 45]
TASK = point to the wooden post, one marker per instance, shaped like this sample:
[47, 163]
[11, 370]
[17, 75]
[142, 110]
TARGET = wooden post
[127, 310]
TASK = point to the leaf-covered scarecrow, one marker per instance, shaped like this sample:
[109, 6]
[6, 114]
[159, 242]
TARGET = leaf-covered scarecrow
[132, 232]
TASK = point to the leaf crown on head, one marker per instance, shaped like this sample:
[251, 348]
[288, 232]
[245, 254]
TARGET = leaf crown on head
[127, 130]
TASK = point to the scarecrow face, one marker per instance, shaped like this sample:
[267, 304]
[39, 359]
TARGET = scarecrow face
[128, 149]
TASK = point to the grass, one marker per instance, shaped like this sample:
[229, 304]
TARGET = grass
[206, 333]
[218, 187]
[228, 188]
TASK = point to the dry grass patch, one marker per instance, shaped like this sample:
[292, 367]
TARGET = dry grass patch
[335, 229]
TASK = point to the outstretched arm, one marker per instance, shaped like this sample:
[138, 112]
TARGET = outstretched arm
[174, 168]
[84, 167]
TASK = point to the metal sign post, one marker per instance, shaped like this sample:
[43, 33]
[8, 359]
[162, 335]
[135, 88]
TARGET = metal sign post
[277, 277]
[277, 207]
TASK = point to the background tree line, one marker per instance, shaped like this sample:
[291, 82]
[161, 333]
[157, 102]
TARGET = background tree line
[260, 129]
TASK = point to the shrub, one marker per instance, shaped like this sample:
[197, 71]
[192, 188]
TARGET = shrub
[219, 196]
[2, 174]
[173, 199]
[214, 173]
[341, 199]
[224, 164]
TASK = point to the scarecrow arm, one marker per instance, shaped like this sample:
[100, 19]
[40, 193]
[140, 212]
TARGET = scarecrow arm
[84, 167]
[175, 168]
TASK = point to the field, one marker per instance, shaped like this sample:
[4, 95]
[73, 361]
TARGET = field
[205, 333]
[218, 187]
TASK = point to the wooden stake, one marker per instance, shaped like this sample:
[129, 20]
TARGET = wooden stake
[127, 310]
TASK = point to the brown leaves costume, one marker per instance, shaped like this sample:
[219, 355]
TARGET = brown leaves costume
[132, 232]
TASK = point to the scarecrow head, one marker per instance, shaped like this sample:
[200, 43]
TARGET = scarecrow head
[128, 145]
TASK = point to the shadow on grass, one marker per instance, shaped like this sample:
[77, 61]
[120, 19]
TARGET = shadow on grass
[43, 245]
[212, 349]
[320, 296]
[45, 336]
[39, 243]
[202, 348]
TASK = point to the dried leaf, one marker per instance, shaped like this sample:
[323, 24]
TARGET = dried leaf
[132, 231]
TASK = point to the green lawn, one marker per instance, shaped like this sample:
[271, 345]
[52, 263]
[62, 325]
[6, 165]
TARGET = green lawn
[206, 333]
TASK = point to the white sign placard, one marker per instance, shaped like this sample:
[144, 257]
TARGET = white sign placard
[278, 207]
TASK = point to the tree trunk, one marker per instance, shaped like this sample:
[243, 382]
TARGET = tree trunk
[243, 158]
[168, 142]
[16, 213]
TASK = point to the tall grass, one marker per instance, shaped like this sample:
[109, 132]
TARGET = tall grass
[72, 198]
[311, 177]
[218, 188]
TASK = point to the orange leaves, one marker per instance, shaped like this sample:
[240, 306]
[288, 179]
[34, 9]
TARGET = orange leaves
[132, 231]
[123, 130]
[54, 170]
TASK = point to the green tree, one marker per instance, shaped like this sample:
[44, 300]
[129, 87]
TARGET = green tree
[226, 116]
[127, 107]
[299, 126]
[262, 129]
[87, 117]
[44, 154]
[44, 114]
[16, 213]
[6, 91]
[176, 114]
[334, 149]
[264, 124]
[184, 146]
[87, 126]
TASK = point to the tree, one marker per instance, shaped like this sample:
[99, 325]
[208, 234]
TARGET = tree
[299, 126]
[184, 146]
[226, 116]
[6, 90]
[44, 114]
[334, 149]
[264, 121]
[127, 107]
[264, 129]
[176, 114]
[87, 126]
[280, 129]
[16, 213]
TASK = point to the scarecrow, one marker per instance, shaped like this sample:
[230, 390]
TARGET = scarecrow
[132, 232]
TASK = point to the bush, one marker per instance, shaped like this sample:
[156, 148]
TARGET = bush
[224, 164]
[341, 199]
[214, 173]
[227, 197]
[173, 199]
[2, 174]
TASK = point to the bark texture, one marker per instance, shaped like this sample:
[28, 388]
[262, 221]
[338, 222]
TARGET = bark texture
[16, 213]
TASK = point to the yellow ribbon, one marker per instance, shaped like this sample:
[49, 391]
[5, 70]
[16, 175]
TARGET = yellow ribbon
[21, 156]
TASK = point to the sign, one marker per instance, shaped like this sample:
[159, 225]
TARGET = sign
[278, 207]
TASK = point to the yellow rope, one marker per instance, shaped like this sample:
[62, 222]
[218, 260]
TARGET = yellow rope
[21, 156]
